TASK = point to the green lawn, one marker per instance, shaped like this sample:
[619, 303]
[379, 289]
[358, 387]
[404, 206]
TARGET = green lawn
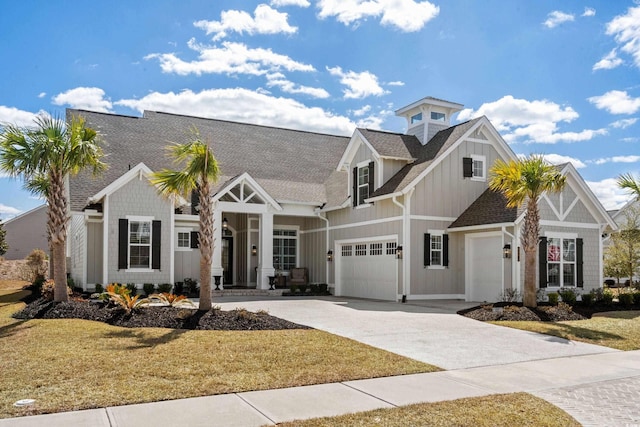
[615, 329]
[76, 364]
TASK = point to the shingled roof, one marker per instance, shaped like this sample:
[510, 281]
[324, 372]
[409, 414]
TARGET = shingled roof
[291, 165]
[489, 208]
[425, 156]
[394, 145]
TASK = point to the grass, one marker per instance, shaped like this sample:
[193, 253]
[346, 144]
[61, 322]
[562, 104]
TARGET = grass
[519, 409]
[70, 364]
[616, 329]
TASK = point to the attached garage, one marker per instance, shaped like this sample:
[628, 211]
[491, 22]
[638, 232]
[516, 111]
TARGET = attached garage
[368, 270]
[483, 280]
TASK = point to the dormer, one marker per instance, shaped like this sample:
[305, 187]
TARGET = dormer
[428, 116]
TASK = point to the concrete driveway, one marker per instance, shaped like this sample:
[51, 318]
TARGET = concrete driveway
[429, 331]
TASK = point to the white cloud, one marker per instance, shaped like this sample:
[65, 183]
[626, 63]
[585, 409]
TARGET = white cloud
[608, 62]
[624, 123]
[374, 121]
[42, 94]
[616, 102]
[589, 11]
[610, 195]
[396, 83]
[626, 31]
[359, 85]
[231, 58]
[279, 80]
[558, 159]
[530, 121]
[245, 106]
[405, 15]
[281, 3]
[556, 18]
[630, 139]
[9, 210]
[85, 98]
[617, 159]
[265, 21]
[14, 116]
[361, 111]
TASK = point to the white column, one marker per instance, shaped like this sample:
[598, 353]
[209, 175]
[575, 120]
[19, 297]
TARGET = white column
[216, 260]
[265, 253]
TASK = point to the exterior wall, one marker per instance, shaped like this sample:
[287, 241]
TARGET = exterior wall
[186, 261]
[77, 237]
[433, 128]
[391, 167]
[94, 253]
[363, 154]
[139, 198]
[26, 233]
[417, 131]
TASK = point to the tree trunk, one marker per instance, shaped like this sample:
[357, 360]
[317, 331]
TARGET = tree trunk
[59, 272]
[206, 246]
[57, 226]
[530, 239]
[529, 298]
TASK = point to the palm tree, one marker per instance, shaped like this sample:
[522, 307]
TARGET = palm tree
[525, 180]
[47, 153]
[628, 182]
[199, 170]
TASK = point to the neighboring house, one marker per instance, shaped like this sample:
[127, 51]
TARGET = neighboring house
[378, 215]
[26, 232]
[621, 217]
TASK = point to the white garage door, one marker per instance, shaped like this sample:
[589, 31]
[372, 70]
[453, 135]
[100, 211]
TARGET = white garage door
[369, 270]
[484, 268]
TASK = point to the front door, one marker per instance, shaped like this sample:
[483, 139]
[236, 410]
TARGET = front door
[227, 260]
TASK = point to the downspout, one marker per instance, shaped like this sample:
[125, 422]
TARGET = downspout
[326, 244]
[406, 239]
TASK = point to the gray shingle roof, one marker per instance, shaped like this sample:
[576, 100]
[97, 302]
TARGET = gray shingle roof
[391, 144]
[489, 208]
[275, 157]
[436, 146]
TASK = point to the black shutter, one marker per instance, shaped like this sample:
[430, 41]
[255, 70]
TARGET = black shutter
[123, 243]
[427, 249]
[445, 250]
[542, 262]
[195, 240]
[371, 180]
[355, 187]
[579, 269]
[467, 167]
[156, 240]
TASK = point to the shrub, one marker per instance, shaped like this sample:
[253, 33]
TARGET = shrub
[626, 298]
[120, 295]
[133, 289]
[244, 314]
[541, 293]
[70, 282]
[36, 265]
[172, 299]
[510, 295]
[303, 288]
[588, 299]
[313, 288]
[553, 298]
[36, 286]
[148, 288]
[164, 288]
[606, 297]
[293, 288]
[99, 288]
[48, 288]
[323, 288]
[636, 298]
[178, 288]
[568, 295]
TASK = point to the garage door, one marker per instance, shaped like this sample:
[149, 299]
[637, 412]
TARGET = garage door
[484, 268]
[369, 270]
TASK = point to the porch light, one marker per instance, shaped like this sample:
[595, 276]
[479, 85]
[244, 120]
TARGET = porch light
[225, 223]
[254, 250]
[330, 255]
[399, 252]
[506, 251]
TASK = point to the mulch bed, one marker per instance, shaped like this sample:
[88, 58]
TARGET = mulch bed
[545, 313]
[155, 316]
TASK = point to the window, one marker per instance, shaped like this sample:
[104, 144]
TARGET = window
[347, 250]
[375, 249]
[363, 178]
[184, 239]
[361, 250]
[363, 184]
[139, 244]
[416, 118]
[285, 243]
[436, 249]
[391, 248]
[561, 262]
[478, 168]
[438, 117]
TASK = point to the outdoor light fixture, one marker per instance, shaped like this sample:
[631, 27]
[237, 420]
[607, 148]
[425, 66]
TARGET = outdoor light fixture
[225, 223]
[330, 255]
[254, 250]
[399, 252]
[506, 251]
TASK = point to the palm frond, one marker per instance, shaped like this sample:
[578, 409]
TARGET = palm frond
[630, 183]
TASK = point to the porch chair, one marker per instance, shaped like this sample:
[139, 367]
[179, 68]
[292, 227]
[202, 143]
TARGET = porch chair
[298, 276]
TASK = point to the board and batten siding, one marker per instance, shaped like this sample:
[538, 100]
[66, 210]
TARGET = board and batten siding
[94, 253]
[77, 239]
[139, 198]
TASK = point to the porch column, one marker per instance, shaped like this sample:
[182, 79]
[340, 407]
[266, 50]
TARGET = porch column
[216, 260]
[265, 263]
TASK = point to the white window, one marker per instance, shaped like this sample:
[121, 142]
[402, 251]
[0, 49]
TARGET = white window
[416, 118]
[375, 249]
[184, 239]
[391, 248]
[479, 168]
[347, 250]
[436, 249]
[561, 261]
[438, 117]
[285, 249]
[361, 250]
[363, 184]
[139, 244]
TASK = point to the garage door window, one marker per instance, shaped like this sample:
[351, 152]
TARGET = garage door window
[391, 248]
[347, 250]
[361, 250]
[375, 249]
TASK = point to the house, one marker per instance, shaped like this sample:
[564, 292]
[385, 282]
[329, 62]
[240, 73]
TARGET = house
[625, 218]
[26, 232]
[378, 215]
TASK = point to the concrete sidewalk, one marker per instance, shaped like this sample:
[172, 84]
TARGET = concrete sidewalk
[574, 383]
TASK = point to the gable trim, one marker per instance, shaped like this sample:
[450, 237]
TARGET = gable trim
[352, 148]
[254, 184]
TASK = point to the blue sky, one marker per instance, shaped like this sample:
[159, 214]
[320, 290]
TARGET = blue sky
[555, 78]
